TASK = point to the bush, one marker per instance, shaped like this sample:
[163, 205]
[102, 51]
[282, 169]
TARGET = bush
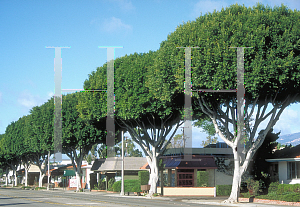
[117, 186]
[202, 178]
[137, 188]
[40, 188]
[291, 197]
[246, 195]
[224, 190]
[130, 185]
[283, 192]
[273, 187]
[286, 196]
[143, 177]
[102, 185]
[253, 186]
[110, 184]
[288, 188]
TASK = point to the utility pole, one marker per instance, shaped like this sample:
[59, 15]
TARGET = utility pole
[48, 169]
[126, 147]
[183, 136]
[122, 185]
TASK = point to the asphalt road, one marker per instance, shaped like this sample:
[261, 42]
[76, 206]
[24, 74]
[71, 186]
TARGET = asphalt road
[11, 197]
[17, 197]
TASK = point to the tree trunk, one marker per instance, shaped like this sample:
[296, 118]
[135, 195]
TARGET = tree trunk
[26, 175]
[16, 180]
[78, 177]
[237, 178]
[41, 179]
[153, 175]
[6, 179]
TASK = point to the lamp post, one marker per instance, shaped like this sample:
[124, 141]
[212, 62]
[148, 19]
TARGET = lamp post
[122, 181]
[48, 169]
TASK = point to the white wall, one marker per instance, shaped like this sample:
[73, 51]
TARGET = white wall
[282, 171]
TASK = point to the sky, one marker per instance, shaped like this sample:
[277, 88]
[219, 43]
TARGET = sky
[26, 28]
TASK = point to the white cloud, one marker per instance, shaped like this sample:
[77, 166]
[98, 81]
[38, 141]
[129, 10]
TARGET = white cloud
[50, 94]
[205, 6]
[289, 121]
[28, 100]
[115, 24]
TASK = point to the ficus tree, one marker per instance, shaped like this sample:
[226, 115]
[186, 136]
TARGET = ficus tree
[207, 127]
[25, 151]
[11, 147]
[129, 149]
[176, 142]
[3, 163]
[78, 136]
[148, 117]
[271, 72]
[39, 135]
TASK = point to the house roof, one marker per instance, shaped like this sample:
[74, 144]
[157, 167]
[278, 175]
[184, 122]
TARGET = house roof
[115, 163]
[285, 153]
[97, 164]
[284, 159]
[34, 168]
[199, 151]
[179, 162]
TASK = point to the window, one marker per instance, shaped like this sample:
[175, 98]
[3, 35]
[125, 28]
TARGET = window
[293, 170]
[185, 179]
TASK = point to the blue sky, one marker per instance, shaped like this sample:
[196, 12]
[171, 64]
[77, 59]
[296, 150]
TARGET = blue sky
[27, 67]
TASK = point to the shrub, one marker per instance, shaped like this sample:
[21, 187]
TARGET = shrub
[296, 188]
[40, 188]
[117, 186]
[136, 188]
[291, 197]
[253, 186]
[102, 185]
[288, 188]
[130, 184]
[202, 178]
[273, 187]
[110, 184]
[224, 190]
[143, 177]
[246, 195]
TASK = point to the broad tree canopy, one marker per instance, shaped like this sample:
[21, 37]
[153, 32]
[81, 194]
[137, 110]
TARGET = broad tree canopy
[271, 68]
[143, 109]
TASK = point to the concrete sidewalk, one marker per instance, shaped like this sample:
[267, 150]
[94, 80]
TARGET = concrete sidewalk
[202, 200]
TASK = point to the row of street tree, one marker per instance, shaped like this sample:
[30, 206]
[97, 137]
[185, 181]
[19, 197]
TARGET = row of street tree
[149, 91]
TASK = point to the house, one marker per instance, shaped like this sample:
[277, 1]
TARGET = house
[61, 175]
[32, 176]
[111, 168]
[207, 157]
[285, 165]
[180, 172]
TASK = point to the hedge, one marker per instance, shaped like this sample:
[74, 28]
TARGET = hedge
[202, 178]
[223, 190]
[129, 186]
[273, 187]
[288, 188]
[143, 177]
